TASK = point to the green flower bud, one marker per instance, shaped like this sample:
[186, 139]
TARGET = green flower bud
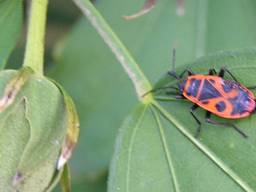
[38, 131]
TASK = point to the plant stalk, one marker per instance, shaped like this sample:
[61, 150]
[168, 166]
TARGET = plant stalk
[139, 80]
[34, 53]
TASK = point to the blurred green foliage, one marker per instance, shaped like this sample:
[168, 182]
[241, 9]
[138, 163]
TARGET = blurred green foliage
[10, 22]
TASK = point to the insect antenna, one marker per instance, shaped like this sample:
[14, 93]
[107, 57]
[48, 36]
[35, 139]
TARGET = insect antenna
[163, 88]
[173, 71]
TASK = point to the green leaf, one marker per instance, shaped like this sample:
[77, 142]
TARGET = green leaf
[10, 25]
[156, 149]
[151, 155]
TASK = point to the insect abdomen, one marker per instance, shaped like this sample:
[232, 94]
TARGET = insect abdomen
[224, 98]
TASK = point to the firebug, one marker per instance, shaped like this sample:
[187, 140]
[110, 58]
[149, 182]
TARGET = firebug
[224, 98]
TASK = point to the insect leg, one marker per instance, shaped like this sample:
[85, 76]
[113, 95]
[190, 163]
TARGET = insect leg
[222, 72]
[164, 88]
[179, 97]
[173, 73]
[212, 72]
[175, 94]
[192, 109]
[209, 120]
[189, 71]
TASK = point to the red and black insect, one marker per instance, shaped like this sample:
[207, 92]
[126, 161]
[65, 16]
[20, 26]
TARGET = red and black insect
[224, 98]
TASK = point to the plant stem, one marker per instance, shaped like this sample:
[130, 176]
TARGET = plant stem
[34, 54]
[139, 80]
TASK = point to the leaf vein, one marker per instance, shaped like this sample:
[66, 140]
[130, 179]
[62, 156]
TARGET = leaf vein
[130, 146]
[167, 152]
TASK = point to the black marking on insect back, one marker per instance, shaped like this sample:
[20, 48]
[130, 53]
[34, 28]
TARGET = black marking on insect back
[227, 86]
[208, 91]
[193, 87]
[240, 103]
[221, 106]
